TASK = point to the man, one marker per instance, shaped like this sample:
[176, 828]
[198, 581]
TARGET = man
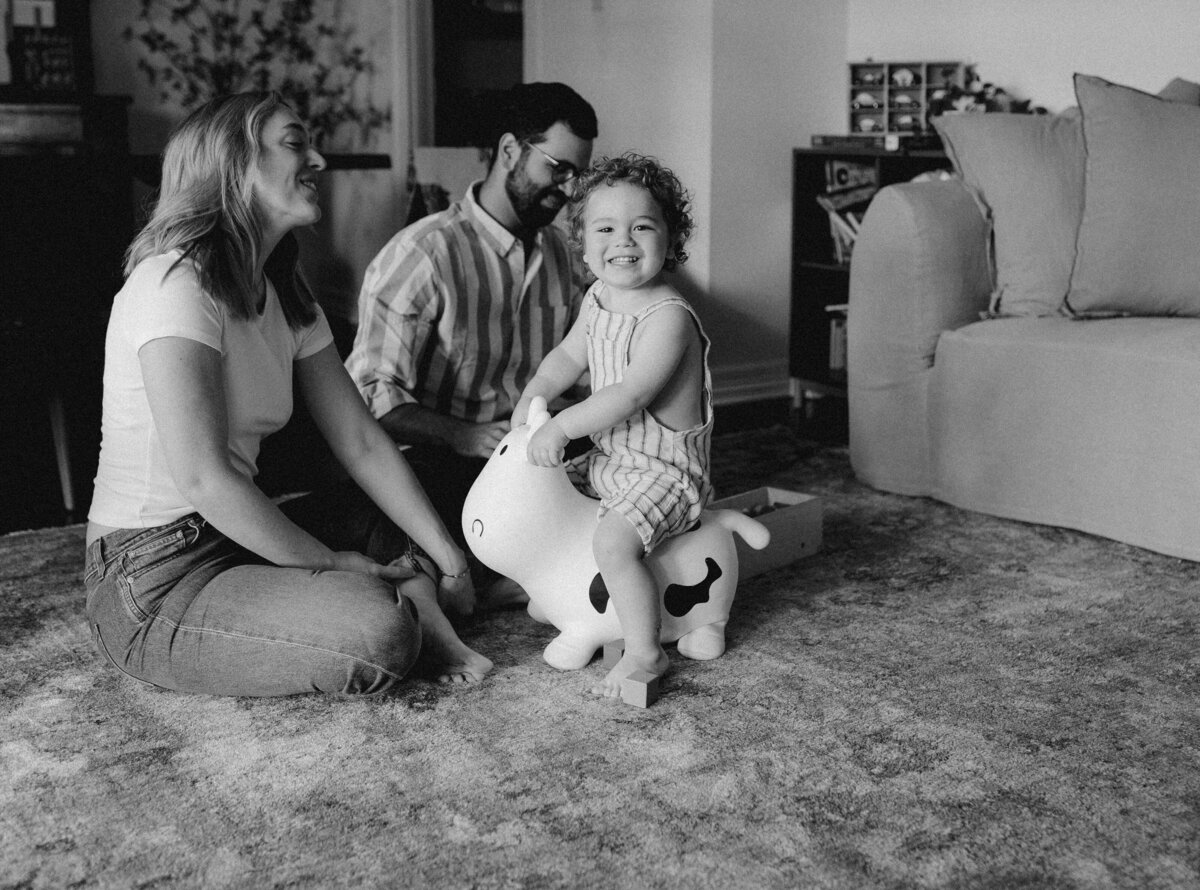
[458, 309]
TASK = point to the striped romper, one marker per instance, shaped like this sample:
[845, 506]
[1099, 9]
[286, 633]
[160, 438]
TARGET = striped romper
[654, 476]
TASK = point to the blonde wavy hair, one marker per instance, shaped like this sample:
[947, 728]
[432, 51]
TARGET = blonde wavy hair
[206, 210]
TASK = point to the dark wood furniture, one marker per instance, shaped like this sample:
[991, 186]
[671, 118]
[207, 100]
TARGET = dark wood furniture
[66, 217]
[818, 280]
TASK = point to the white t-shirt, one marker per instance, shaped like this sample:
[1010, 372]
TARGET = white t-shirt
[134, 488]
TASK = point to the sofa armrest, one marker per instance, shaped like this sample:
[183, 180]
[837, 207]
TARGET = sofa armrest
[920, 267]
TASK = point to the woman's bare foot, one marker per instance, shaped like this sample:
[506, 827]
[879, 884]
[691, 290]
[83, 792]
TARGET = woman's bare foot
[454, 660]
[610, 686]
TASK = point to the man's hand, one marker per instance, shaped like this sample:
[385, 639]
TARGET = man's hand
[520, 413]
[478, 439]
[546, 446]
[413, 425]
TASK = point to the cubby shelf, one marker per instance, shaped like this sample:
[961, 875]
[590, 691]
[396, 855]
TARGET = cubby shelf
[895, 97]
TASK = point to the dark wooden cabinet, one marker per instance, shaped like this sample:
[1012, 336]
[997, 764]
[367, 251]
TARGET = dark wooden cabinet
[66, 218]
[819, 280]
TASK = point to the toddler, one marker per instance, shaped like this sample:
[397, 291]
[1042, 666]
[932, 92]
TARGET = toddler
[650, 411]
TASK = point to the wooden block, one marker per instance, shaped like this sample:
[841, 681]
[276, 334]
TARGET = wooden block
[640, 689]
[795, 528]
[612, 653]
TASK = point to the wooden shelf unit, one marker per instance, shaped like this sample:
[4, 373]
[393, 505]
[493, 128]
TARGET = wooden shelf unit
[818, 280]
[66, 217]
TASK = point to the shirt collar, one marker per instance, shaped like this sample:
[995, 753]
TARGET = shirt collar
[502, 239]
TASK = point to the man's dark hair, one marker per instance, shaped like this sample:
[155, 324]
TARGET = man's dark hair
[528, 110]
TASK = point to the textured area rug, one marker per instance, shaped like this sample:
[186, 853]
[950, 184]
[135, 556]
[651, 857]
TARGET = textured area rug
[936, 699]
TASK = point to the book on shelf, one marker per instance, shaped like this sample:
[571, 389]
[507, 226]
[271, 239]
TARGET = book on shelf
[845, 218]
[849, 187]
[837, 341]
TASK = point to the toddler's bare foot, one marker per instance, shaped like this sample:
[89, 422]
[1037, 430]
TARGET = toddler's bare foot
[610, 686]
[454, 660]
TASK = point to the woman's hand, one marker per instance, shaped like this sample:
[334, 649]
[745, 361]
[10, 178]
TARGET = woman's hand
[546, 446]
[352, 561]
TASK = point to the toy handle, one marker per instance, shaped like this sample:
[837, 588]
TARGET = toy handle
[539, 413]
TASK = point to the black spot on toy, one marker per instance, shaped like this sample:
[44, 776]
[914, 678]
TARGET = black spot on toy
[598, 594]
[679, 599]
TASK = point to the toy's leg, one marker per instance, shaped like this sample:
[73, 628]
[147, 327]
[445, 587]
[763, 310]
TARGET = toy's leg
[613, 650]
[536, 613]
[568, 653]
[705, 642]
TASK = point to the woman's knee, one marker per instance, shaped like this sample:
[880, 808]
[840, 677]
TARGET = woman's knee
[387, 642]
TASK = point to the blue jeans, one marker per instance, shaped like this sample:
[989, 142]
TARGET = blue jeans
[182, 607]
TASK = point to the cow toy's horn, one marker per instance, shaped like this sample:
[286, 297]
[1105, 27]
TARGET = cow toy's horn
[538, 413]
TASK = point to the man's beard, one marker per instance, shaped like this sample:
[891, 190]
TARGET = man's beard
[526, 198]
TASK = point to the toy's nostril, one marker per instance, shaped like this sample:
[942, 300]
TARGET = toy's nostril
[503, 448]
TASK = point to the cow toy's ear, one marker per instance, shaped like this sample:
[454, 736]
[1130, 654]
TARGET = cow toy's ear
[538, 413]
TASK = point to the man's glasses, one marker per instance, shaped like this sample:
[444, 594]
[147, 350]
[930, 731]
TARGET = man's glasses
[560, 171]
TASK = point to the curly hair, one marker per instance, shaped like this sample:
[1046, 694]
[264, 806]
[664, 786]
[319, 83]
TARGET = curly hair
[648, 173]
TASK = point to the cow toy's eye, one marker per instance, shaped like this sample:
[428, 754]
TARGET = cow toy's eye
[503, 448]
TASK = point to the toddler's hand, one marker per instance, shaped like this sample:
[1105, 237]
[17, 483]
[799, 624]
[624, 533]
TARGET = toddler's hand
[546, 446]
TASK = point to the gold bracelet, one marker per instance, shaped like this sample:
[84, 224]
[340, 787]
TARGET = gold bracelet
[455, 576]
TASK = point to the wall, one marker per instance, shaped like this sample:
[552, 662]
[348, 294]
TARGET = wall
[764, 104]
[1032, 47]
[646, 69]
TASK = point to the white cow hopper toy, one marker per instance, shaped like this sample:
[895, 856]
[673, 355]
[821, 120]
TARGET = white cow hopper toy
[530, 524]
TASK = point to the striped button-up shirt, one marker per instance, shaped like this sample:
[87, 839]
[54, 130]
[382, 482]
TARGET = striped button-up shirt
[454, 317]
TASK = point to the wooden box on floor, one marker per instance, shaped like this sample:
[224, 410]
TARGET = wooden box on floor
[794, 521]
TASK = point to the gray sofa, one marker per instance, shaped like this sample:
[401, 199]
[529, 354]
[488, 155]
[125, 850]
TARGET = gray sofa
[1019, 344]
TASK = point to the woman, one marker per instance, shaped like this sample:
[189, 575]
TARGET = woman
[196, 581]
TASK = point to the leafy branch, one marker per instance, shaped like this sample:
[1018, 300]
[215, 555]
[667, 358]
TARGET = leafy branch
[192, 50]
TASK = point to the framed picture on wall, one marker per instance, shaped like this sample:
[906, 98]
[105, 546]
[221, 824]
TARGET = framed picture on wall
[48, 49]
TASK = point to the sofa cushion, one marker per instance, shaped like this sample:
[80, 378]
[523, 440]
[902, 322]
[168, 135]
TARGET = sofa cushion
[1084, 424]
[1180, 90]
[1136, 249]
[1027, 171]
